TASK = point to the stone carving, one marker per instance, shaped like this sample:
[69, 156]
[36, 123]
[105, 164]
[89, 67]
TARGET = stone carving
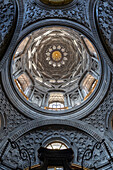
[97, 118]
[33, 139]
[13, 117]
[36, 11]
[105, 23]
[7, 16]
[36, 67]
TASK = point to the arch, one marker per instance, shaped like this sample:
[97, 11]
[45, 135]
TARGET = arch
[35, 124]
[79, 112]
[93, 17]
[18, 27]
[62, 139]
[77, 124]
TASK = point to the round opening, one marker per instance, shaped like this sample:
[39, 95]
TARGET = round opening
[56, 2]
[56, 56]
[55, 68]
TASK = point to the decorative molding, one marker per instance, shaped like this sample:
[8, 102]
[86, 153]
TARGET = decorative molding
[23, 153]
[93, 20]
[78, 112]
[98, 118]
[36, 132]
[105, 24]
[12, 118]
[76, 11]
[7, 24]
[18, 28]
[93, 13]
[109, 125]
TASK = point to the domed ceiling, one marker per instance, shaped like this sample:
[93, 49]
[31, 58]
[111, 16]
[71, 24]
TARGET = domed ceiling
[57, 62]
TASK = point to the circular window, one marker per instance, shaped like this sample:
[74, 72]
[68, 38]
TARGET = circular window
[54, 70]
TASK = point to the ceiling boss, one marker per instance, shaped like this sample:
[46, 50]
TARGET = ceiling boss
[56, 55]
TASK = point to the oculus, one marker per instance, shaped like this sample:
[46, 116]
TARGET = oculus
[56, 56]
[56, 68]
[56, 2]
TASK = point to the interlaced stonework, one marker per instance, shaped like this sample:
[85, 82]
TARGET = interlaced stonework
[7, 16]
[13, 117]
[98, 117]
[105, 21]
[32, 127]
[36, 11]
[33, 140]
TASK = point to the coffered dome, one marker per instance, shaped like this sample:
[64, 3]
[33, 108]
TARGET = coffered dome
[59, 62]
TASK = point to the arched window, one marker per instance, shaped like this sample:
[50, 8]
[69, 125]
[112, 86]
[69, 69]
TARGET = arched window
[56, 145]
[56, 102]
[56, 105]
